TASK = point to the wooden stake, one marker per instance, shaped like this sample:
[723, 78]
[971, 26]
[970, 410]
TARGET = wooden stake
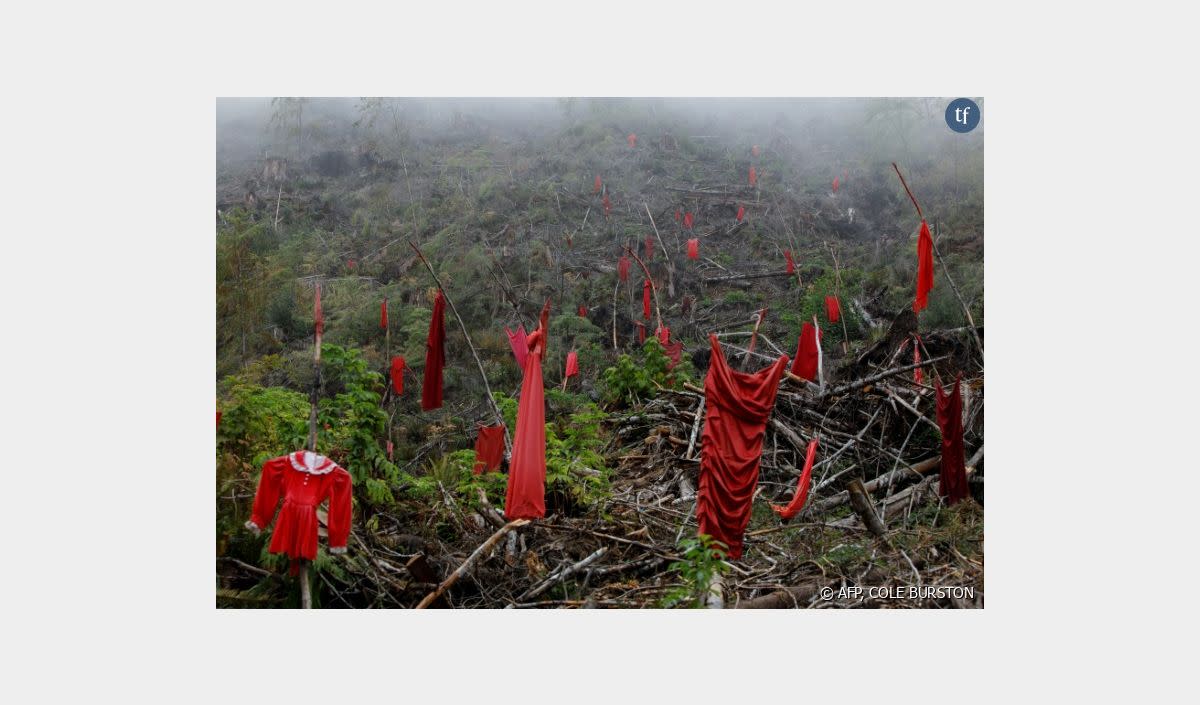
[957, 295]
[666, 256]
[653, 288]
[474, 353]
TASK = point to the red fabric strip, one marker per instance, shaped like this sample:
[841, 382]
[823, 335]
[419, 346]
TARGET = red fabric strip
[953, 478]
[808, 353]
[318, 314]
[693, 249]
[435, 355]
[835, 184]
[623, 268]
[646, 286]
[741, 213]
[489, 449]
[791, 266]
[924, 268]
[397, 375]
[793, 507]
[383, 315]
[516, 341]
[572, 364]
[833, 309]
[753, 176]
[598, 184]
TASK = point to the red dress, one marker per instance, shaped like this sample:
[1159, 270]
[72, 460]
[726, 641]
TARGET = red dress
[737, 406]
[305, 479]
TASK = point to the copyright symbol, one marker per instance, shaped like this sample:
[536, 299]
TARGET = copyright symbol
[826, 593]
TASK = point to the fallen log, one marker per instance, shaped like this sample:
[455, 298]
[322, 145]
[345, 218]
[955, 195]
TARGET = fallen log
[860, 501]
[560, 575]
[470, 561]
[787, 598]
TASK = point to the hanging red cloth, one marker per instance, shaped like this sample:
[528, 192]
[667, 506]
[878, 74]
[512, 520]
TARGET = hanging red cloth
[383, 315]
[793, 507]
[688, 220]
[318, 314]
[953, 479]
[741, 213]
[833, 309]
[351, 264]
[489, 449]
[583, 311]
[517, 340]
[648, 249]
[835, 184]
[918, 374]
[632, 139]
[791, 266]
[435, 355]
[664, 335]
[924, 267]
[693, 246]
[808, 353]
[623, 268]
[674, 352]
[646, 287]
[753, 176]
[572, 365]
[304, 480]
[754, 151]
[391, 449]
[736, 409]
[526, 494]
[641, 332]
[598, 184]
[397, 374]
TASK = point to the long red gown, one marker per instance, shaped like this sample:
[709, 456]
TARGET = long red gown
[525, 497]
[304, 479]
[736, 409]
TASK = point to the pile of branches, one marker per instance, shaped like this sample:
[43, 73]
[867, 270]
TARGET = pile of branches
[873, 517]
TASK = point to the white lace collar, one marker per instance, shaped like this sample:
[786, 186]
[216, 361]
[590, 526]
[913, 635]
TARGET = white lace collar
[312, 463]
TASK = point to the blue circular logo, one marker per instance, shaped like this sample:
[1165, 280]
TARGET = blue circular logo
[962, 115]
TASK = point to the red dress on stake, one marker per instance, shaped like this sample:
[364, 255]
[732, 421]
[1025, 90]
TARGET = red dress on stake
[793, 507]
[435, 356]
[688, 220]
[833, 309]
[304, 479]
[791, 266]
[597, 185]
[583, 311]
[753, 176]
[737, 406]
[835, 184]
[953, 480]
[398, 365]
[741, 213]
[693, 246]
[808, 353]
[489, 448]
[572, 365]
[623, 268]
[924, 268]
[641, 331]
[648, 249]
[632, 138]
[516, 340]
[526, 495]
[646, 287]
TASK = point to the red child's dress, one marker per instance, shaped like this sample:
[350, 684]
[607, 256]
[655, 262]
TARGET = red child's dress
[305, 479]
